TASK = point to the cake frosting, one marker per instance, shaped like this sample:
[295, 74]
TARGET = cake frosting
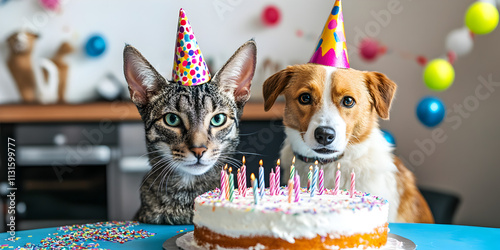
[327, 221]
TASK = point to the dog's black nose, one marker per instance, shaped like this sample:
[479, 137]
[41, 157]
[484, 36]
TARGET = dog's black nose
[324, 135]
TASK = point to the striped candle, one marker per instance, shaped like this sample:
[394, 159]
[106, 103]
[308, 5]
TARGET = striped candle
[244, 177]
[309, 178]
[254, 188]
[277, 176]
[262, 184]
[296, 187]
[271, 183]
[353, 183]
[240, 184]
[222, 184]
[226, 180]
[314, 182]
[321, 180]
[231, 185]
[292, 169]
[337, 180]
[290, 191]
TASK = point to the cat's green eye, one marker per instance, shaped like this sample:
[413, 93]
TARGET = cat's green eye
[172, 120]
[218, 120]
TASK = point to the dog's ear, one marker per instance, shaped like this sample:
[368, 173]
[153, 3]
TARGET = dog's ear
[382, 90]
[274, 86]
[143, 80]
[236, 75]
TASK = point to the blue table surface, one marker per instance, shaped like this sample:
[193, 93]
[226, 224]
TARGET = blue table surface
[426, 236]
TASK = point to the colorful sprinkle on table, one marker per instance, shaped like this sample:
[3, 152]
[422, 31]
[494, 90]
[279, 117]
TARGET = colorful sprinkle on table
[75, 237]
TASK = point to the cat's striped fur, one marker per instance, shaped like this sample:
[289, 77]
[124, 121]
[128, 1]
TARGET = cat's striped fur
[178, 173]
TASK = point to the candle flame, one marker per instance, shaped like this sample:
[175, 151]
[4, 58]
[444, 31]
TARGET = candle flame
[338, 166]
[311, 167]
[316, 162]
[293, 160]
[278, 162]
[225, 167]
[230, 169]
[244, 160]
[238, 170]
[252, 177]
[261, 162]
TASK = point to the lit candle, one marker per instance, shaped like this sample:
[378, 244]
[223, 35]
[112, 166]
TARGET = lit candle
[222, 184]
[309, 178]
[262, 184]
[337, 180]
[240, 184]
[290, 190]
[244, 177]
[231, 185]
[321, 182]
[353, 183]
[277, 181]
[271, 183]
[292, 169]
[254, 188]
[314, 180]
[296, 187]
[226, 180]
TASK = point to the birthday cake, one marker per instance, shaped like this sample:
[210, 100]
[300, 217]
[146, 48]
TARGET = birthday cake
[324, 221]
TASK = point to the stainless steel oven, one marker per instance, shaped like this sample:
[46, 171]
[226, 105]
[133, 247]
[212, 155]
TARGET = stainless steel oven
[63, 173]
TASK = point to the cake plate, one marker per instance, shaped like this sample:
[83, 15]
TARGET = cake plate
[394, 242]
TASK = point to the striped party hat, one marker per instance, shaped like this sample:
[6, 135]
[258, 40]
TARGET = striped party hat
[189, 68]
[332, 49]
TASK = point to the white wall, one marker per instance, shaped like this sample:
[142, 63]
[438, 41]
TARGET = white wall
[466, 163]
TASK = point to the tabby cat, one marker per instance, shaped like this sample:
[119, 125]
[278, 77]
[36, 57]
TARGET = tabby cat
[191, 132]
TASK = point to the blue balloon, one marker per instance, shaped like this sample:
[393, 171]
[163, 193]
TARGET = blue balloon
[389, 137]
[95, 46]
[431, 111]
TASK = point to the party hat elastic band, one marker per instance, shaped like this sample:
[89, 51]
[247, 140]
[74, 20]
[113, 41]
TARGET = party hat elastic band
[332, 49]
[189, 66]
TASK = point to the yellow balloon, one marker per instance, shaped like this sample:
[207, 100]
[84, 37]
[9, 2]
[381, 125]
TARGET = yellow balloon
[439, 74]
[481, 18]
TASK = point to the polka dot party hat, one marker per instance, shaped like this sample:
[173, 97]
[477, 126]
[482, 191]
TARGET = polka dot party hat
[190, 68]
[332, 49]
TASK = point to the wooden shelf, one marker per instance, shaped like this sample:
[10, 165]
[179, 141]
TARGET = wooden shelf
[114, 111]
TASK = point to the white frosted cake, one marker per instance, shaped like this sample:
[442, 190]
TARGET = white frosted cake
[321, 222]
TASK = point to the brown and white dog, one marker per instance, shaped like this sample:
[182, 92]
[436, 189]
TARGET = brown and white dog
[331, 115]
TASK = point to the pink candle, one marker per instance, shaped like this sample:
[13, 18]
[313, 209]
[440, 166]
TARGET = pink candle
[290, 190]
[222, 184]
[277, 178]
[321, 184]
[296, 187]
[226, 182]
[240, 184]
[271, 183]
[337, 180]
[244, 177]
[353, 183]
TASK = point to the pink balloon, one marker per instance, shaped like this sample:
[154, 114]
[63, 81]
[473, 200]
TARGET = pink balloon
[271, 15]
[50, 4]
[369, 49]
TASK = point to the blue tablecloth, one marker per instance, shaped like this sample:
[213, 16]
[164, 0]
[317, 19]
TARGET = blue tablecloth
[426, 236]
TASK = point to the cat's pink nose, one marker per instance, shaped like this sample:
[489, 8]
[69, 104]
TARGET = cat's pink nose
[198, 151]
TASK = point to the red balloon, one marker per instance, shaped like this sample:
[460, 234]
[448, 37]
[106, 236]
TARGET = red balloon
[271, 15]
[369, 49]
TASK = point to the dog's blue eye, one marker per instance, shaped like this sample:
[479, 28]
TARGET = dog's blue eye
[172, 120]
[348, 102]
[218, 120]
[305, 99]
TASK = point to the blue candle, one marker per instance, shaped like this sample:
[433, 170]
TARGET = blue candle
[262, 185]
[254, 188]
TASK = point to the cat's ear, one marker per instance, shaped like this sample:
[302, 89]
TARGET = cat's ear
[143, 80]
[236, 75]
